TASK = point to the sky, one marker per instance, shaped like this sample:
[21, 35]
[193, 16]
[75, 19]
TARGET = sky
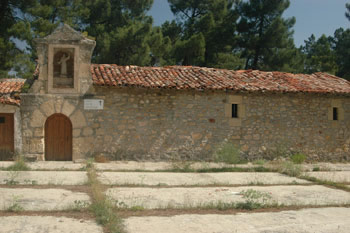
[312, 17]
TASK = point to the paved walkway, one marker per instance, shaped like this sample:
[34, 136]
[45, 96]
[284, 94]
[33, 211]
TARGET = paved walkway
[58, 187]
[325, 220]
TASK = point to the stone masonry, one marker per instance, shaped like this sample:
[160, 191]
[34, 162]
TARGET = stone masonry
[167, 124]
[139, 124]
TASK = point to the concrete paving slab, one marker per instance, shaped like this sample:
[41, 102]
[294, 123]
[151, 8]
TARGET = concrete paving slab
[323, 220]
[45, 224]
[153, 198]
[4, 164]
[56, 165]
[43, 177]
[327, 166]
[49, 165]
[335, 176]
[40, 199]
[154, 166]
[171, 179]
[132, 165]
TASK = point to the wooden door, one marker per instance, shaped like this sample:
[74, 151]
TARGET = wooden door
[7, 135]
[58, 138]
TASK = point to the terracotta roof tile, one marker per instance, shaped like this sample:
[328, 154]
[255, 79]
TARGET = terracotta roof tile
[9, 100]
[8, 90]
[200, 78]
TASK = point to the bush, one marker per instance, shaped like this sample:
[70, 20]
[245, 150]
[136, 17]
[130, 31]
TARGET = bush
[298, 158]
[228, 153]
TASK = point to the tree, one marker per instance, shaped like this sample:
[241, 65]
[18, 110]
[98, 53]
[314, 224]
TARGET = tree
[38, 18]
[123, 32]
[9, 11]
[263, 31]
[205, 31]
[319, 55]
[347, 14]
[341, 46]
[288, 59]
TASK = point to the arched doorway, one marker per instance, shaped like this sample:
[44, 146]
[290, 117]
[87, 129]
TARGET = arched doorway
[58, 138]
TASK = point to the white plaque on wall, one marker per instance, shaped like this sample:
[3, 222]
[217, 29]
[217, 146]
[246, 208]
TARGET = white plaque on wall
[93, 104]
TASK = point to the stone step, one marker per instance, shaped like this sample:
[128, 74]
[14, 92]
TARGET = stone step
[186, 179]
[320, 220]
[41, 199]
[291, 195]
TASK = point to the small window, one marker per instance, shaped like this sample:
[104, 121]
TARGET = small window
[234, 110]
[2, 120]
[335, 114]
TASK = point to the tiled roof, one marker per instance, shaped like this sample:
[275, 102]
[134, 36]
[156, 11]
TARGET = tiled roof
[8, 90]
[9, 100]
[199, 78]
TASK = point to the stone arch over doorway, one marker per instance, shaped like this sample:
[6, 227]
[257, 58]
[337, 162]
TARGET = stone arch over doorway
[58, 138]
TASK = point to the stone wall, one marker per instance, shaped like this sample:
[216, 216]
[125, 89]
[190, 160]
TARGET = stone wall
[140, 124]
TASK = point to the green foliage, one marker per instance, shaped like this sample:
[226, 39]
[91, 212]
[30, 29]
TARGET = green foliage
[319, 55]
[259, 161]
[347, 14]
[298, 158]
[291, 169]
[19, 165]
[181, 166]
[9, 11]
[12, 178]
[264, 33]
[191, 51]
[203, 32]
[254, 199]
[341, 45]
[227, 34]
[123, 31]
[102, 207]
[230, 154]
[15, 205]
[80, 205]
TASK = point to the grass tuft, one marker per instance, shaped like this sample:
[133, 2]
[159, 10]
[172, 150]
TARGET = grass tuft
[19, 165]
[230, 154]
[102, 207]
[298, 158]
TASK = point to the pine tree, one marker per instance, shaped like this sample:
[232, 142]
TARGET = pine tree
[263, 32]
[319, 55]
[9, 52]
[341, 45]
[123, 32]
[205, 32]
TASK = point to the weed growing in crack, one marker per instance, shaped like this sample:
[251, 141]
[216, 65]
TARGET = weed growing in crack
[102, 207]
[254, 200]
[80, 205]
[15, 205]
[290, 169]
[19, 165]
[12, 176]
